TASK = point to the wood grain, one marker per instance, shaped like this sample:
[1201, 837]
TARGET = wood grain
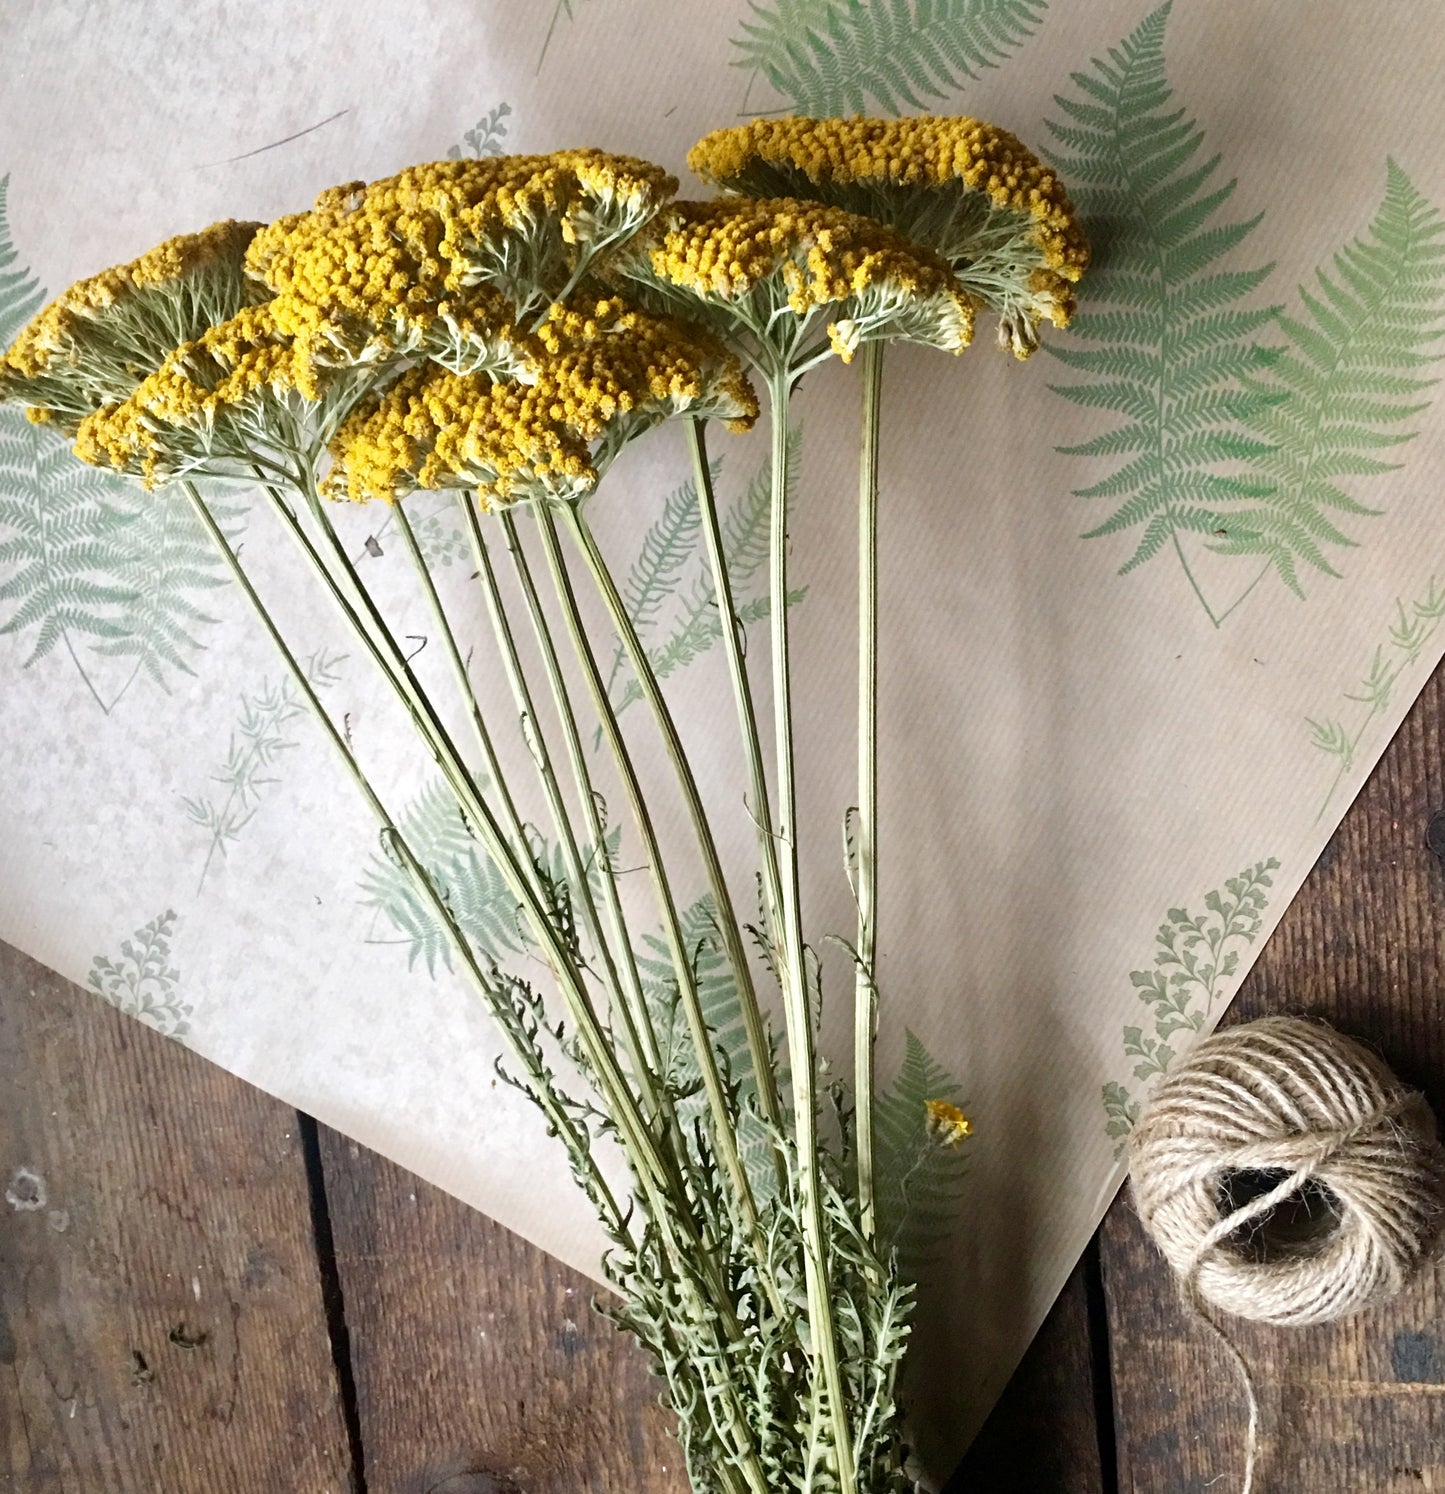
[1043, 1436]
[480, 1364]
[161, 1325]
[1353, 1406]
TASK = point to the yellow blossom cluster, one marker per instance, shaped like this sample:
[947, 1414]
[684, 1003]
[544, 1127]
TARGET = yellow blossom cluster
[606, 371]
[952, 183]
[817, 256]
[930, 151]
[92, 344]
[230, 368]
[390, 256]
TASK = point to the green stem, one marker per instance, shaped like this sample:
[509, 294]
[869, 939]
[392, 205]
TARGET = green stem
[759, 1049]
[801, 1055]
[724, 1133]
[632, 1125]
[622, 971]
[732, 633]
[556, 1115]
[458, 664]
[723, 1124]
[865, 991]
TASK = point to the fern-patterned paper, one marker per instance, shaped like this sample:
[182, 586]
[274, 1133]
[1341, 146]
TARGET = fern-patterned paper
[1340, 736]
[142, 982]
[852, 56]
[474, 889]
[1241, 419]
[1178, 340]
[1346, 387]
[261, 737]
[921, 1180]
[90, 565]
[1195, 959]
[668, 591]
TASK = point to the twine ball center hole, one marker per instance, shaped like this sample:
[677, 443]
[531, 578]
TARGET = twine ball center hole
[1299, 1224]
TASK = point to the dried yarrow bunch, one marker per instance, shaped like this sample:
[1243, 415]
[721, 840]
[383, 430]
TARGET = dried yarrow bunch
[503, 329]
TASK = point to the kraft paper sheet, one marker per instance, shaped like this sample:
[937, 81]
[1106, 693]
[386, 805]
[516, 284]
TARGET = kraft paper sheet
[1100, 790]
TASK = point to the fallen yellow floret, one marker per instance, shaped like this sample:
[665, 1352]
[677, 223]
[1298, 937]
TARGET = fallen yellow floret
[946, 1123]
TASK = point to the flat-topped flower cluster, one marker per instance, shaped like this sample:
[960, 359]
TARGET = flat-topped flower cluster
[508, 324]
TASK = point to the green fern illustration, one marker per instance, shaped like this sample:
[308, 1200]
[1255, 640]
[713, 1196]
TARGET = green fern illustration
[1173, 349]
[488, 137]
[1347, 383]
[1194, 959]
[1414, 626]
[920, 1179]
[90, 559]
[722, 1011]
[474, 890]
[848, 56]
[258, 741]
[671, 550]
[142, 982]
[162, 558]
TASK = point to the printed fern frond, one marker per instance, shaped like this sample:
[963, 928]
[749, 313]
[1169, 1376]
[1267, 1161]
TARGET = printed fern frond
[21, 294]
[848, 56]
[722, 1011]
[163, 559]
[697, 625]
[432, 825]
[84, 556]
[1348, 383]
[669, 546]
[470, 884]
[920, 1180]
[1166, 346]
[142, 982]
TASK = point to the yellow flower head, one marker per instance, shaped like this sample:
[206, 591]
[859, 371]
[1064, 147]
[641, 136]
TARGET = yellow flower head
[408, 258]
[207, 404]
[93, 344]
[970, 191]
[601, 374]
[946, 1123]
[741, 262]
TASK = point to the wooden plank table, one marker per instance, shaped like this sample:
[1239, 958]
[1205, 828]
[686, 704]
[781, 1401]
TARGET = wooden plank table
[202, 1291]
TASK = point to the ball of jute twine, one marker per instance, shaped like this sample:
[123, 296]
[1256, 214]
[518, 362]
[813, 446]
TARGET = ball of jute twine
[1298, 1102]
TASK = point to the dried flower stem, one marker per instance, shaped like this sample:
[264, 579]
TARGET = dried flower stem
[543, 1094]
[759, 1049]
[637, 1021]
[801, 1055]
[865, 993]
[723, 1130]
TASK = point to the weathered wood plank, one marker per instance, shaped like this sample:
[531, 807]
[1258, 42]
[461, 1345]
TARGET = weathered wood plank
[1043, 1436]
[480, 1364]
[1358, 1405]
[161, 1324]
